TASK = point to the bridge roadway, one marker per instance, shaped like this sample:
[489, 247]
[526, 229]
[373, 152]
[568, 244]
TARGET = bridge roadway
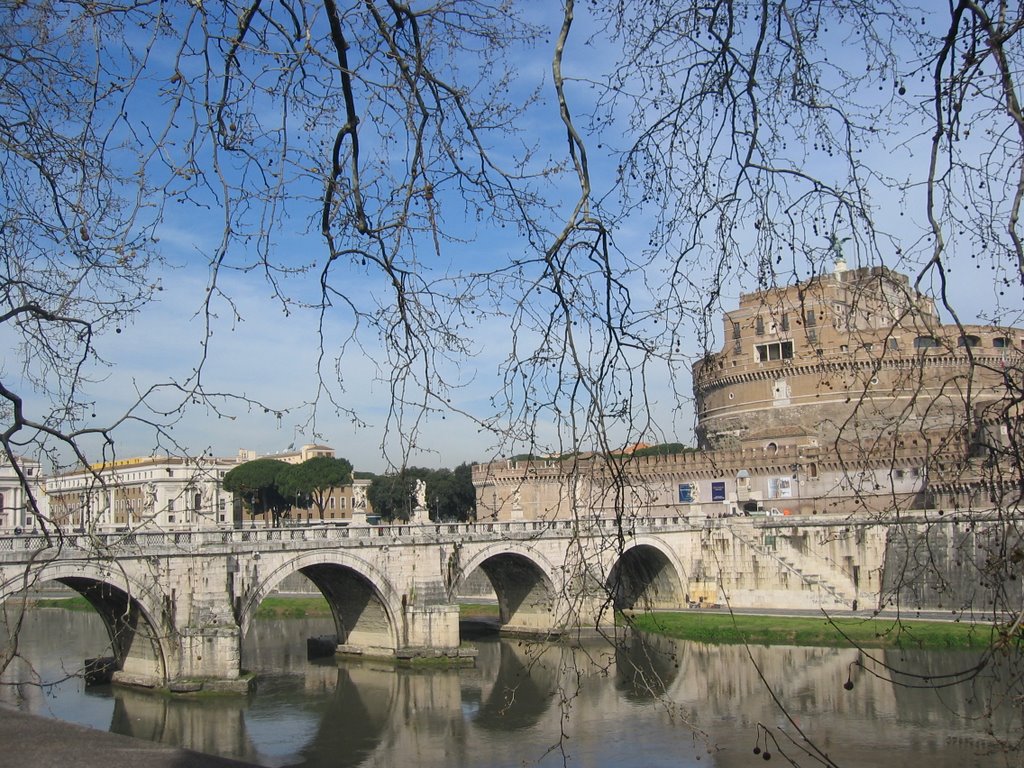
[176, 604]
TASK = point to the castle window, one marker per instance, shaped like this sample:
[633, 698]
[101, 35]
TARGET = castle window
[735, 329]
[841, 316]
[776, 350]
[759, 327]
[785, 322]
[969, 341]
[1000, 342]
[893, 343]
[925, 342]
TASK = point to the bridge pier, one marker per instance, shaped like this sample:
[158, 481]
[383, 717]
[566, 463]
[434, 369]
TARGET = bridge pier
[212, 654]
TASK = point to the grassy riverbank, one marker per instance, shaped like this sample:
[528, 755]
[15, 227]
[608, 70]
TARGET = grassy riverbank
[290, 607]
[279, 607]
[75, 603]
[723, 628]
[699, 626]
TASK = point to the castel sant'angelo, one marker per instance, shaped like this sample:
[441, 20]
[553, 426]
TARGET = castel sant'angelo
[841, 394]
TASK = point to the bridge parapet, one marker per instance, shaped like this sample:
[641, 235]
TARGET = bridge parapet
[308, 537]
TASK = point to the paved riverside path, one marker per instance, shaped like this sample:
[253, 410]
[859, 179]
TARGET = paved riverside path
[32, 741]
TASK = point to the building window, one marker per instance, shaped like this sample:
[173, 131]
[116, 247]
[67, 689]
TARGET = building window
[841, 316]
[925, 342]
[785, 321]
[330, 503]
[341, 503]
[777, 350]
[1000, 342]
[893, 343]
[735, 329]
[810, 319]
[969, 341]
[759, 326]
[197, 502]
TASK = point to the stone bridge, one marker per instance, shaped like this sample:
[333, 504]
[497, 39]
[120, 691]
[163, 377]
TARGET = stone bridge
[176, 605]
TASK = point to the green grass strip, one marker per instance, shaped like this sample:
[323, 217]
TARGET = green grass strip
[291, 607]
[76, 603]
[723, 628]
[478, 611]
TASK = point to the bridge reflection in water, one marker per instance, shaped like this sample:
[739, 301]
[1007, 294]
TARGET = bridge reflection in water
[652, 702]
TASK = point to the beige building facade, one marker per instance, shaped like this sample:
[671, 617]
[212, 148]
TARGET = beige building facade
[16, 512]
[156, 493]
[164, 493]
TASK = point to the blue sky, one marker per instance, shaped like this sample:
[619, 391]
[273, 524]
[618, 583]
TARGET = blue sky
[269, 356]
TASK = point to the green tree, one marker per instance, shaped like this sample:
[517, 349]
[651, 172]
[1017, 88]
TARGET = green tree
[310, 483]
[256, 484]
[450, 494]
[393, 495]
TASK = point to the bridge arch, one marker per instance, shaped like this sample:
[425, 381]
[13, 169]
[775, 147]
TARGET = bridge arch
[140, 639]
[647, 573]
[367, 609]
[524, 581]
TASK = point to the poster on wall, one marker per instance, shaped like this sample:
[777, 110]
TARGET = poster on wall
[686, 493]
[780, 488]
[718, 490]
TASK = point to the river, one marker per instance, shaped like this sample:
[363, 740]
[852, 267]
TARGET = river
[658, 703]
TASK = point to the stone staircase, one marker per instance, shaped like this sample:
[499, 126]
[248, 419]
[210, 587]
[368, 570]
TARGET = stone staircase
[817, 575]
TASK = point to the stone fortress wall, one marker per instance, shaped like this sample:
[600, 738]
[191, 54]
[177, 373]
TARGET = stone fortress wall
[844, 394]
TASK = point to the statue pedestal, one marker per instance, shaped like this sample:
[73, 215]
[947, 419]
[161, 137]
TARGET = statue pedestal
[420, 516]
